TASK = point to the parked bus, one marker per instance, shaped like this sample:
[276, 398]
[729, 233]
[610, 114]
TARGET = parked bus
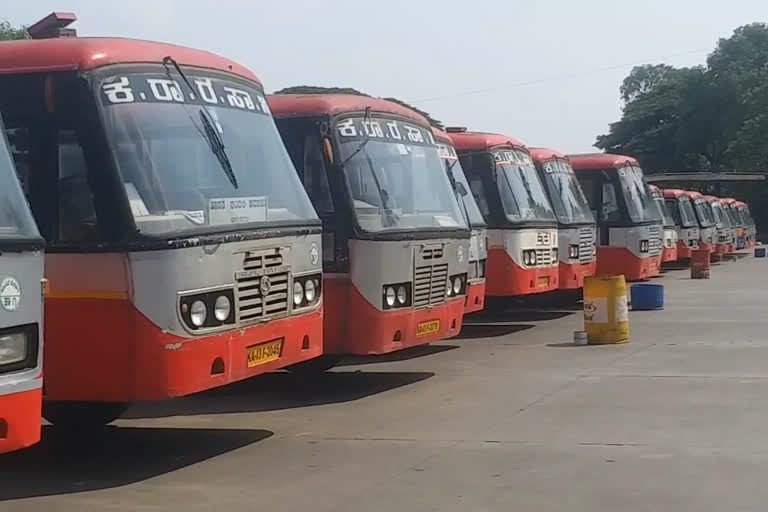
[680, 207]
[576, 227]
[628, 222]
[21, 310]
[724, 235]
[396, 239]
[522, 227]
[478, 252]
[730, 207]
[706, 221]
[750, 232]
[669, 252]
[182, 251]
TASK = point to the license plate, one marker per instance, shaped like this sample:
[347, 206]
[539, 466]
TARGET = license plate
[264, 353]
[543, 281]
[430, 327]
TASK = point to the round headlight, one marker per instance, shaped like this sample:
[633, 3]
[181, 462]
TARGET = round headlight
[309, 290]
[533, 258]
[222, 308]
[456, 285]
[390, 296]
[197, 313]
[526, 258]
[298, 293]
[402, 294]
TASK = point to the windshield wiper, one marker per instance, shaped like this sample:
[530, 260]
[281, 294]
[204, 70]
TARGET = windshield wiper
[362, 145]
[209, 132]
[392, 217]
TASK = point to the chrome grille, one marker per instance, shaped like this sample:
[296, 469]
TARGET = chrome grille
[586, 242]
[262, 270]
[655, 241]
[432, 253]
[543, 257]
[429, 285]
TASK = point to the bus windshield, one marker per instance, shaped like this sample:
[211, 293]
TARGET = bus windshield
[451, 159]
[521, 191]
[16, 220]
[637, 196]
[687, 215]
[567, 197]
[665, 218]
[721, 219]
[396, 177]
[704, 213]
[164, 142]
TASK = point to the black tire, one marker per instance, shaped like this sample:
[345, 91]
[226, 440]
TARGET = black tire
[317, 365]
[82, 415]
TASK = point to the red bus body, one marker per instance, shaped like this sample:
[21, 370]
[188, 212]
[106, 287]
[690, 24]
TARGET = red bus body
[679, 205]
[629, 240]
[707, 228]
[669, 253]
[725, 236]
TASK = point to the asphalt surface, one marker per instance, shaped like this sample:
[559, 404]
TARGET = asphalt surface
[507, 417]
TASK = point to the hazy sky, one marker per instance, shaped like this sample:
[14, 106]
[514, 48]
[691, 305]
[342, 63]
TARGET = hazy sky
[546, 71]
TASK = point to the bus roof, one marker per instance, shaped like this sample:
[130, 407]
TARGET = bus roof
[711, 199]
[741, 204]
[674, 193]
[543, 154]
[482, 141]
[654, 188]
[86, 53]
[693, 194]
[727, 200]
[441, 136]
[592, 161]
[298, 105]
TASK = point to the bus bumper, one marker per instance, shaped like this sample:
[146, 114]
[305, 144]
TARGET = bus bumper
[572, 274]
[475, 299]
[126, 357]
[505, 278]
[669, 254]
[620, 260]
[20, 417]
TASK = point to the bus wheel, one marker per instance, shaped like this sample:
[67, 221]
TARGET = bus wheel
[82, 415]
[316, 365]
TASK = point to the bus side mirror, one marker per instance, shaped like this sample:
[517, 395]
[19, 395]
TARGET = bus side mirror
[328, 149]
[461, 189]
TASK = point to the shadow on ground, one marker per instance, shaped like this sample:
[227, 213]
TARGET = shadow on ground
[517, 316]
[400, 355]
[479, 330]
[279, 390]
[111, 457]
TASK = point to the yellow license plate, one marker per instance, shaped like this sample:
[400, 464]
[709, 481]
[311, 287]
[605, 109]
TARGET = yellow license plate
[430, 327]
[543, 281]
[264, 353]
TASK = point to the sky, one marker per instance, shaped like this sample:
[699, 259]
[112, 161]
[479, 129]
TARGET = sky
[547, 72]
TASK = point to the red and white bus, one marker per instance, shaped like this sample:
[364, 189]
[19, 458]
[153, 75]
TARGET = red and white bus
[576, 227]
[522, 227]
[680, 207]
[669, 253]
[396, 239]
[182, 250]
[731, 209]
[750, 231]
[628, 223]
[478, 251]
[706, 221]
[725, 240]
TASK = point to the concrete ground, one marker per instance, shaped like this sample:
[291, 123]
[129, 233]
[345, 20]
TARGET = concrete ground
[507, 417]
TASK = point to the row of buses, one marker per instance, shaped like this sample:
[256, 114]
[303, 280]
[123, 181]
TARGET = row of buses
[186, 230]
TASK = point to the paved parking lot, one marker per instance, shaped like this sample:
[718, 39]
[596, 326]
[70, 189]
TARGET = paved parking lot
[506, 417]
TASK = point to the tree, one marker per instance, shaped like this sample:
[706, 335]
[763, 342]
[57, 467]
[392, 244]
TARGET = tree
[8, 32]
[313, 89]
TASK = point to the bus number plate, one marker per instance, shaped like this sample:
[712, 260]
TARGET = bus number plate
[425, 328]
[264, 353]
[543, 281]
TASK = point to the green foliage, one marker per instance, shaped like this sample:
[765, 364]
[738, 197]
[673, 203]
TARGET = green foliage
[313, 89]
[709, 118]
[8, 33]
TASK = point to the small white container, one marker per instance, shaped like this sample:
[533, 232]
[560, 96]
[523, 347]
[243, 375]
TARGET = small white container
[579, 337]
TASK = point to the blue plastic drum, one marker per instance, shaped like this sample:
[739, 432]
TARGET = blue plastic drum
[759, 252]
[647, 297]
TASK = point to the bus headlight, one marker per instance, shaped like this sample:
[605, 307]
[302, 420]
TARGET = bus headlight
[396, 295]
[402, 295]
[390, 296]
[13, 348]
[456, 285]
[573, 252]
[222, 308]
[555, 255]
[309, 290]
[529, 257]
[198, 313]
[643, 245]
[298, 293]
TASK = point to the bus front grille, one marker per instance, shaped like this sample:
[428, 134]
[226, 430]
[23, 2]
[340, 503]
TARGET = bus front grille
[586, 241]
[262, 287]
[543, 257]
[429, 285]
[655, 242]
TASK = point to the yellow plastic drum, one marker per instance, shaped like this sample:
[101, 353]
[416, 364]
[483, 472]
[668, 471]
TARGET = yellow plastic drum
[606, 315]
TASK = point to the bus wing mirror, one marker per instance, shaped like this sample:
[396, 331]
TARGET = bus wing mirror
[328, 149]
[461, 189]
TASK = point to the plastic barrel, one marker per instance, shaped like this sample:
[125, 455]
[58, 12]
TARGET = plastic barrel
[759, 252]
[700, 264]
[606, 315]
[647, 297]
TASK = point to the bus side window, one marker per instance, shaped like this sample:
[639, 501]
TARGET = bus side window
[315, 177]
[610, 205]
[478, 191]
[77, 214]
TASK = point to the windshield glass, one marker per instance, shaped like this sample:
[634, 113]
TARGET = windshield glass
[703, 213]
[637, 195]
[521, 191]
[658, 198]
[16, 220]
[159, 134]
[396, 176]
[687, 215]
[742, 216]
[567, 197]
[721, 219]
[451, 159]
